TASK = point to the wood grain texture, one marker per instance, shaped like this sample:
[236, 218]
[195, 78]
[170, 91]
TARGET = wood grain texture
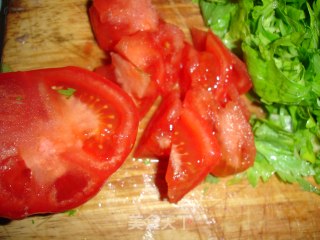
[44, 33]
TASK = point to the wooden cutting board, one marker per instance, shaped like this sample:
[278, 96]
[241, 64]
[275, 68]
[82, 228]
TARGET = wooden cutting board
[44, 33]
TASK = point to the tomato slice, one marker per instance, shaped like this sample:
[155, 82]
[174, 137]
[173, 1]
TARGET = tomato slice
[232, 68]
[203, 102]
[240, 76]
[157, 136]
[193, 154]
[157, 52]
[113, 19]
[220, 56]
[199, 70]
[230, 127]
[171, 40]
[63, 132]
[236, 140]
[144, 53]
[137, 83]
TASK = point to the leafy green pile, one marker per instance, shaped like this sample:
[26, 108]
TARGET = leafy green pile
[279, 41]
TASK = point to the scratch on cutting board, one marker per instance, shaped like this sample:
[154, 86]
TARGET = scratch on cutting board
[45, 220]
[200, 217]
[16, 9]
[23, 38]
[217, 228]
[93, 226]
[179, 20]
[264, 214]
[78, 7]
[7, 232]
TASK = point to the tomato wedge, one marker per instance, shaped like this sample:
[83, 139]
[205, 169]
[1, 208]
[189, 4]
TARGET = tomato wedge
[171, 40]
[199, 70]
[141, 50]
[193, 154]
[113, 19]
[63, 132]
[230, 68]
[236, 140]
[157, 136]
[137, 83]
[230, 127]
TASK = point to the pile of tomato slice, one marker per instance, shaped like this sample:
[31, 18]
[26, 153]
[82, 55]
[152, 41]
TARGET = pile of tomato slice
[201, 125]
[64, 131]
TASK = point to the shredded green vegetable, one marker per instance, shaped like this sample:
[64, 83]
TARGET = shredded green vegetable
[68, 92]
[5, 68]
[211, 179]
[71, 212]
[279, 41]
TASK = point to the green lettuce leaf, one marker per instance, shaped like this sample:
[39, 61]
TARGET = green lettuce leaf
[279, 41]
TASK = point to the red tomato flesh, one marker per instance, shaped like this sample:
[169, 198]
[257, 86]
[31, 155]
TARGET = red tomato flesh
[57, 150]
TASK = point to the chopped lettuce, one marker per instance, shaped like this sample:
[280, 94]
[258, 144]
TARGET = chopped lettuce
[5, 68]
[67, 92]
[279, 41]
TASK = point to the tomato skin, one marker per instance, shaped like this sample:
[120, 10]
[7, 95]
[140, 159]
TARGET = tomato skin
[199, 39]
[98, 28]
[113, 19]
[107, 71]
[240, 76]
[53, 160]
[157, 136]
